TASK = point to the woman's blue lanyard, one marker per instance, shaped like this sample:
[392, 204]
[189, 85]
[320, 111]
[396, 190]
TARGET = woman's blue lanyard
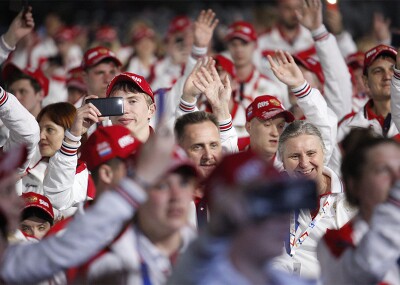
[145, 272]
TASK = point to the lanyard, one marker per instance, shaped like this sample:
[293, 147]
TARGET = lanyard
[296, 238]
[145, 273]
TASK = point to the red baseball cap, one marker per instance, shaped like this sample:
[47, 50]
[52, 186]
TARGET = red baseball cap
[179, 24]
[266, 107]
[65, 34]
[10, 69]
[373, 53]
[240, 169]
[36, 200]
[311, 64]
[107, 143]
[142, 32]
[11, 160]
[106, 34]
[221, 62]
[75, 79]
[355, 60]
[95, 55]
[138, 80]
[242, 30]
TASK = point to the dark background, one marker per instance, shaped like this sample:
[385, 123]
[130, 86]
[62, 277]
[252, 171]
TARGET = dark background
[357, 14]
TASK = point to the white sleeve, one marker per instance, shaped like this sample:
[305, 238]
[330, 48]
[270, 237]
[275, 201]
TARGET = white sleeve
[229, 137]
[5, 49]
[61, 184]
[376, 253]
[317, 112]
[395, 98]
[23, 126]
[337, 87]
[85, 236]
[346, 44]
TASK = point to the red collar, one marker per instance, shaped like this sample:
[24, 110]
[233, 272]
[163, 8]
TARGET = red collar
[370, 114]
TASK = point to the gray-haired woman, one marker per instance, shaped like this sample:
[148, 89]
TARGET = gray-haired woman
[302, 151]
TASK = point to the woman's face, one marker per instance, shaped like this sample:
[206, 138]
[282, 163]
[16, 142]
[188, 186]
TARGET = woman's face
[167, 208]
[51, 137]
[34, 226]
[379, 174]
[303, 157]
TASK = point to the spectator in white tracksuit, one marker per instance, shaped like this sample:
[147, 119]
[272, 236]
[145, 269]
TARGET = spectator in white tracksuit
[148, 247]
[246, 228]
[301, 148]
[395, 93]
[367, 249]
[376, 114]
[88, 233]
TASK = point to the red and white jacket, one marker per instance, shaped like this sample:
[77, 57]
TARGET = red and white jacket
[166, 73]
[395, 98]
[84, 237]
[132, 259]
[308, 228]
[362, 253]
[22, 125]
[63, 180]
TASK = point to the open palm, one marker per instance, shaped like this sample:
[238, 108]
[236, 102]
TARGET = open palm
[286, 69]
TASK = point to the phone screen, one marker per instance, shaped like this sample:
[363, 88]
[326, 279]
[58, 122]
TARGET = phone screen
[113, 106]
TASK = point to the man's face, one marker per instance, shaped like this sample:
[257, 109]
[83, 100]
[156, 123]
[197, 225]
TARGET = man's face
[241, 51]
[379, 75]
[26, 95]
[179, 46]
[167, 208]
[287, 13]
[99, 76]
[264, 135]
[136, 112]
[202, 143]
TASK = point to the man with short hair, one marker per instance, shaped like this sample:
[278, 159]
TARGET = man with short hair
[28, 85]
[376, 114]
[139, 105]
[241, 39]
[100, 65]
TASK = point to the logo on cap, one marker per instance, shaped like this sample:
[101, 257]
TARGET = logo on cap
[103, 149]
[44, 203]
[262, 104]
[125, 141]
[31, 199]
[370, 53]
[275, 102]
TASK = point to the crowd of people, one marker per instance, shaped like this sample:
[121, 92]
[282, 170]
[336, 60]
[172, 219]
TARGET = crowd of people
[276, 161]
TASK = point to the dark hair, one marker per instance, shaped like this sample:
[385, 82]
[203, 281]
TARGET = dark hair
[62, 114]
[20, 75]
[113, 163]
[128, 86]
[356, 146]
[36, 212]
[190, 119]
[382, 56]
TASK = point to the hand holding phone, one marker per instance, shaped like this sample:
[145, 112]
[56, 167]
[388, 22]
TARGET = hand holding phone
[112, 106]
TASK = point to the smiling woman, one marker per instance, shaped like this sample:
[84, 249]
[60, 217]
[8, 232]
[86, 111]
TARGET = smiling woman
[302, 151]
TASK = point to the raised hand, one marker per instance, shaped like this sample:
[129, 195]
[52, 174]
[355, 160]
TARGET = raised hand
[311, 14]
[334, 21]
[381, 28]
[190, 92]
[217, 92]
[86, 116]
[22, 25]
[154, 157]
[286, 69]
[204, 28]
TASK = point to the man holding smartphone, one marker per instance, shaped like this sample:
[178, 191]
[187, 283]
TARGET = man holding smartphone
[139, 105]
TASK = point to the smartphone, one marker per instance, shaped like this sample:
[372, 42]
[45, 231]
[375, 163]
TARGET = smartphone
[113, 106]
[280, 197]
